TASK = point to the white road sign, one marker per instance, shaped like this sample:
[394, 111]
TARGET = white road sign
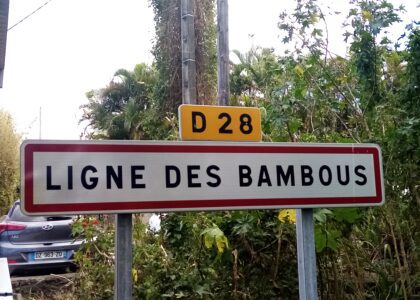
[114, 176]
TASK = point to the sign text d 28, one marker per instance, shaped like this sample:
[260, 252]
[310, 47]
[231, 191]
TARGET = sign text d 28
[226, 123]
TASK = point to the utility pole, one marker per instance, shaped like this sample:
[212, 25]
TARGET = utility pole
[4, 19]
[189, 85]
[222, 53]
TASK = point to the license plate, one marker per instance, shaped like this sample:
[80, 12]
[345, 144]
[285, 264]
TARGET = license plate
[49, 255]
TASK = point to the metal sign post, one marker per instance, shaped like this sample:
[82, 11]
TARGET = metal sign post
[306, 254]
[123, 256]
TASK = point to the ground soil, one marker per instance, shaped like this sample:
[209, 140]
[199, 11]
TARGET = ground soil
[42, 287]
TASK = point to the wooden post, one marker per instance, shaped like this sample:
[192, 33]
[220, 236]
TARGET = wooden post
[189, 86]
[222, 53]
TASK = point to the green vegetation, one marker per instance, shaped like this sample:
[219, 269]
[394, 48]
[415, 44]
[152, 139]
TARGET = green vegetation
[9, 162]
[306, 95]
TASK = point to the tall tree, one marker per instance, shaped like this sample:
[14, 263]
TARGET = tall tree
[167, 51]
[369, 19]
[9, 161]
[123, 109]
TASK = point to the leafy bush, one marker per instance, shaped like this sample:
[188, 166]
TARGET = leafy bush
[9, 162]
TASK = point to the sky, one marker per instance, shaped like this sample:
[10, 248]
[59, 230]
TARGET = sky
[72, 46]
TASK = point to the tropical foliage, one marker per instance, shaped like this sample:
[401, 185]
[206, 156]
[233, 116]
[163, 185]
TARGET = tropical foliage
[306, 95]
[126, 108]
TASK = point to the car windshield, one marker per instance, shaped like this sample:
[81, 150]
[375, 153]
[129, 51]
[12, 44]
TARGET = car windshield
[18, 216]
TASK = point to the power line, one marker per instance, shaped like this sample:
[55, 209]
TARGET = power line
[29, 15]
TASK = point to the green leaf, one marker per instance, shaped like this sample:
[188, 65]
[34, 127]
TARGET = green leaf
[320, 239]
[326, 238]
[215, 237]
[349, 215]
[332, 237]
[222, 243]
[202, 290]
[208, 240]
[321, 215]
[299, 70]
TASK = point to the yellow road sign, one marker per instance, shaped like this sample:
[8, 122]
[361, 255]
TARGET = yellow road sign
[221, 123]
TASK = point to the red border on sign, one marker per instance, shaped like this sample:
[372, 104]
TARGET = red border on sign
[210, 204]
